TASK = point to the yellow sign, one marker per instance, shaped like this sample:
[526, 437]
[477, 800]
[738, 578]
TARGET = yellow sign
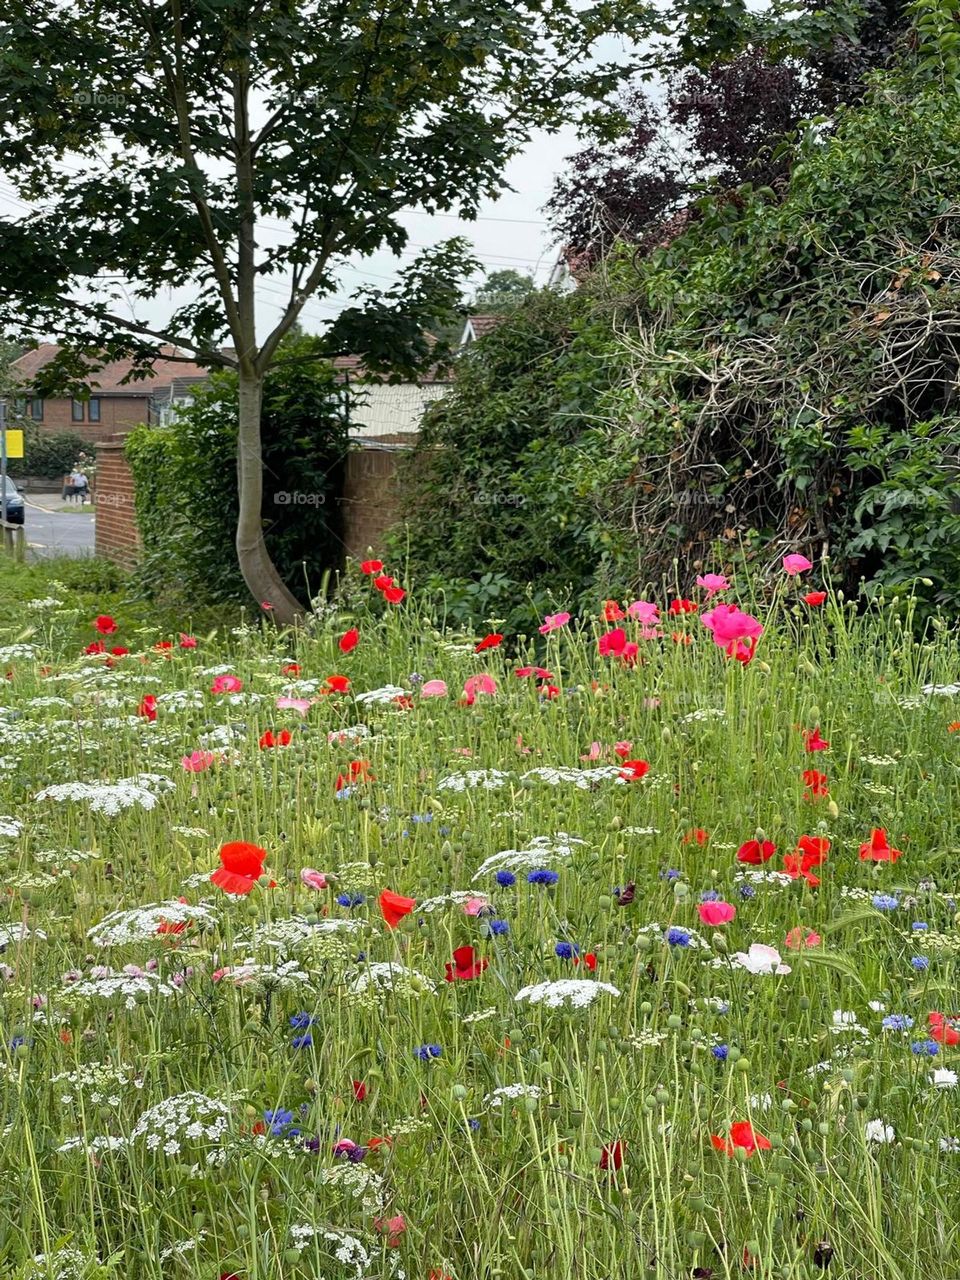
[14, 444]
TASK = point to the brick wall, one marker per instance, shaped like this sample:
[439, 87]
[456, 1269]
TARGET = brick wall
[117, 413]
[371, 496]
[116, 524]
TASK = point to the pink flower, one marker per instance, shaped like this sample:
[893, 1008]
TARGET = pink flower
[392, 1228]
[714, 913]
[226, 684]
[646, 613]
[595, 752]
[612, 643]
[798, 938]
[294, 704]
[434, 689]
[473, 906]
[478, 684]
[313, 879]
[187, 642]
[794, 564]
[553, 622]
[198, 761]
[733, 630]
[713, 583]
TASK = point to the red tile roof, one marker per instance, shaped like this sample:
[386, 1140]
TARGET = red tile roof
[109, 379]
[484, 324]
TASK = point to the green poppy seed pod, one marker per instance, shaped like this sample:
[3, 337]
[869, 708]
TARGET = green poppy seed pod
[459, 1092]
[681, 890]
[665, 734]
[764, 667]
[646, 1007]
[446, 850]
[605, 902]
[311, 1086]
[615, 823]
[743, 1065]
[674, 1022]
[291, 1257]
[833, 809]
[814, 714]
[250, 1111]
[719, 943]
[643, 942]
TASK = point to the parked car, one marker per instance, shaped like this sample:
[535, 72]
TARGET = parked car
[15, 503]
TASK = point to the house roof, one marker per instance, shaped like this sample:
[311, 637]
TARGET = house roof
[350, 367]
[108, 381]
[483, 324]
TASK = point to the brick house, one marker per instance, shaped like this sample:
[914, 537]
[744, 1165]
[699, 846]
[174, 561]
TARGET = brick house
[114, 405]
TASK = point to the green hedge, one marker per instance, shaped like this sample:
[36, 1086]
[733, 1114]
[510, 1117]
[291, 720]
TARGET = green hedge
[48, 457]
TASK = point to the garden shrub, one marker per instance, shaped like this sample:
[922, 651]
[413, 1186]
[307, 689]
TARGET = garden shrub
[48, 457]
[186, 492]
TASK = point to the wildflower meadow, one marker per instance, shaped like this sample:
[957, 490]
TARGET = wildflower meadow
[370, 949]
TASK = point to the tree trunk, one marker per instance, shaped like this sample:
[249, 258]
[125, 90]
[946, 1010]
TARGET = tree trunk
[259, 571]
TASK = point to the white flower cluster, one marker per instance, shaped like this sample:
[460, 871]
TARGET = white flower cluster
[386, 975]
[509, 1092]
[142, 924]
[10, 651]
[62, 1264]
[10, 828]
[191, 1116]
[573, 993]
[295, 931]
[375, 697]
[98, 1084]
[456, 898]
[132, 988]
[111, 798]
[182, 1247]
[286, 976]
[541, 851]
[488, 779]
[582, 779]
[358, 1182]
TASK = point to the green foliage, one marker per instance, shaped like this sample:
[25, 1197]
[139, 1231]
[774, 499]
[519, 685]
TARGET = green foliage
[185, 481]
[49, 457]
[502, 291]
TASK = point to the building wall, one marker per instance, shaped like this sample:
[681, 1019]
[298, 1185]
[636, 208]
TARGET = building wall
[371, 496]
[117, 413]
[383, 410]
[117, 538]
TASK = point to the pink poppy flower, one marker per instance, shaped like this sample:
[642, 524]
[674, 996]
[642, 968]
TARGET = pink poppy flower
[646, 613]
[479, 684]
[713, 583]
[473, 906]
[714, 913]
[733, 630]
[313, 879]
[226, 684]
[595, 752]
[434, 689]
[198, 761]
[553, 622]
[794, 564]
[294, 704]
[798, 938]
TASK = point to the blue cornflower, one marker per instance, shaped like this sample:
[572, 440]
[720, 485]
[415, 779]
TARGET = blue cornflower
[920, 962]
[897, 1022]
[278, 1120]
[351, 899]
[421, 817]
[720, 1052]
[670, 874]
[301, 1020]
[444, 831]
[747, 891]
[505, 879]
[885, 902]
[302, 1042]
[925, 1048]
[499, 927]
[678, 937]
[473, 1123]
[343, 794]
[17, 1041]
[566, 950]
[709, 895]
[415, 677]
[543, 877]
[919, 926]
[427, 1051]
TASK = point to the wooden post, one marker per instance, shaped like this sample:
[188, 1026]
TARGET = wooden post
[14, 541]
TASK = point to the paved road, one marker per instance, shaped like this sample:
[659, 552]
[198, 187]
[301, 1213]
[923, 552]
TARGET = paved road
[52, 533]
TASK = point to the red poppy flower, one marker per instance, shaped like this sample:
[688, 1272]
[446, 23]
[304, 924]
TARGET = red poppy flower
[394, 906]
[612, 643]
[337, 684]
[612, 611]
[744, 1136]
[943, 1029]
[97, 646]
[349, 640]
[359, 1090]
[187, 642]
[810, 852]
[359, 772]
[290, 669]
[465, 965]
[815, 784]
[393, 595]
[163, 645]
[634, 770]
[683, 606]
[118, 651]
[382, 581]
[241, 866]
[540, 672]
[589, 961]
[815, 597]
[104, 624]
[371, 566]
[813, 741]
[877, 849]
[549, 691]
[611, 1156]
[148, 707]
[696, 835]
[271, 739]
[492, 641]
[756, 852]
[954, 726]
[229, 1275]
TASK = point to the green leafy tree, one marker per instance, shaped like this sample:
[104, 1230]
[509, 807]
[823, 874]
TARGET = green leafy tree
[157, 136]
[504, 290]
